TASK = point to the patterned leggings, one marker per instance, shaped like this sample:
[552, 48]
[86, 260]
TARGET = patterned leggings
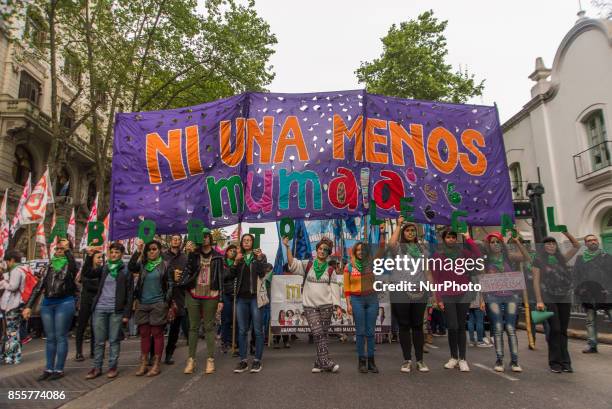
[12, 342]
[319, 319]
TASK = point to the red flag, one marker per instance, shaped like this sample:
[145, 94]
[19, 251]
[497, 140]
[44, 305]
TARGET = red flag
[27, 188]
[4, 226]
[93, 217]
[235, 234]
[53, 244]
[41, 240]
[35, 207]
[71, 231]
[105, 233]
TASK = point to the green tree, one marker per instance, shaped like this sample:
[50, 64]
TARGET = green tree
[413, 65]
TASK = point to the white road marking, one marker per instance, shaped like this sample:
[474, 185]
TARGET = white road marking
[503, 375]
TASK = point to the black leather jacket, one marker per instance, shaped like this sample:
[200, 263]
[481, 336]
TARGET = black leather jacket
[246, 276]
[124, 290]
[56, 284]
[193, 269]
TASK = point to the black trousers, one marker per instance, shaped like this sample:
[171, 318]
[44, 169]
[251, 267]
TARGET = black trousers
[558, 354]
[409, 318]
[455, 314]
[173, 335]
[84, 319]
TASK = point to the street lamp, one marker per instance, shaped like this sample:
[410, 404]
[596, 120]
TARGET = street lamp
[534, 192]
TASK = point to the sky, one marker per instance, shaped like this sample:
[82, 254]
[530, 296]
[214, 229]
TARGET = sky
[322, 43]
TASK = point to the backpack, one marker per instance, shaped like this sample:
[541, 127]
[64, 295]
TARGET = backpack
[30, 283]
[309, 266]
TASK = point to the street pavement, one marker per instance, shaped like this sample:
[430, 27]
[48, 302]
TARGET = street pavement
[286, 381]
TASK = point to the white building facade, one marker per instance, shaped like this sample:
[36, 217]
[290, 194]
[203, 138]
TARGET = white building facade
[563, 136]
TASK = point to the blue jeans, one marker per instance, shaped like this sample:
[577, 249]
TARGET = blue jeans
[503, 314]
[365, 311]
[476, 322]
[265, 320]
[247, 311]
[107, 326]
[227, 317]
[591, 324]
[56, 321]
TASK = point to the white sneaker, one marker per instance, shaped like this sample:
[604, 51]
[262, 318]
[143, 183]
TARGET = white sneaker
[499, 366]
[463, 366]
[335, 368]
[484, 344]
[516, 367]
[422, 367]
[316, 369]
[406, 367]
[451, 364]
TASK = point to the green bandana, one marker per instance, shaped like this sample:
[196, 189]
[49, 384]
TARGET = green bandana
[552, 260]
[58, 262]
[498, 261]
[358, 264]
[413, 250]
[229, 262]
[152, 264]
[248, 258]
[452, 252]
[589, 255]
[319, 269]
[114, 266]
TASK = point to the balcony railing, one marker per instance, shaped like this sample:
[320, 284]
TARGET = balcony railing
[592, 160]
[25, 106]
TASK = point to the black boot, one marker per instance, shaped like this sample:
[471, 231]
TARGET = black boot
[372, 365]
[363, 368]
[169, 360]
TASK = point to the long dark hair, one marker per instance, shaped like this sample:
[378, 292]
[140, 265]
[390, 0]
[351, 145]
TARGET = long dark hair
[230, 247]
[542, 255]
[504, 249]
[416, 236]
[242, 239]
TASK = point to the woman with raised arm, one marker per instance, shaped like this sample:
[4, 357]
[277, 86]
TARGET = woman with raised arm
[409, 307]
[320, 295]
[503, 305]
[58, 288]
[552, 281]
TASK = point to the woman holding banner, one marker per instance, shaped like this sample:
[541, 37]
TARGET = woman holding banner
[203, 280]
[250, 264]
[320, 294]
[454, 302]
[552, 281]
[154, 294]
[409, 307]
[362, 300]
[503, 305]
[58, 288]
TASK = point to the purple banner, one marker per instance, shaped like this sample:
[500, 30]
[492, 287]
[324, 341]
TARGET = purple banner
[260, 157]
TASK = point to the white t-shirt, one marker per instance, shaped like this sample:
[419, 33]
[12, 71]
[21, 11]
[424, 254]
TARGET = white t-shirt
[316, 293]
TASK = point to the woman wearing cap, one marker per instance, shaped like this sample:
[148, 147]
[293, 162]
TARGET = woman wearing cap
[503, 305]
[454, 302]
[552, 281]
[362, 300]
[320, 295]
[409, 307]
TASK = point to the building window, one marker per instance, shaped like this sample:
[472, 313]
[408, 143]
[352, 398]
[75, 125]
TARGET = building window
[72, 68]
[36, 28]
[62, 186]
[596, 138]
[67, 116]
[22, 167]
[100, 97]
[91, 194]
[516, 181]
[29, 88]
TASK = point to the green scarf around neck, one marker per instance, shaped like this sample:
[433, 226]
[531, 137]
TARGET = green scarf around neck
[319, 268]
[552, 259]
[229, 262]
[452, 252]
[497, 261]
[58, 263]
[248, 258]
[414, 250]
[589, 255]
[152, 264]
[359, 264]
[114, 266]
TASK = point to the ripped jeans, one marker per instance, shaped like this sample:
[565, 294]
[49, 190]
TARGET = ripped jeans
[504, 312]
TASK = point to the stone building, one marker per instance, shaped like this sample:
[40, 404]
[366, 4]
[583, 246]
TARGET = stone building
[25, 126]
[562, 136]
